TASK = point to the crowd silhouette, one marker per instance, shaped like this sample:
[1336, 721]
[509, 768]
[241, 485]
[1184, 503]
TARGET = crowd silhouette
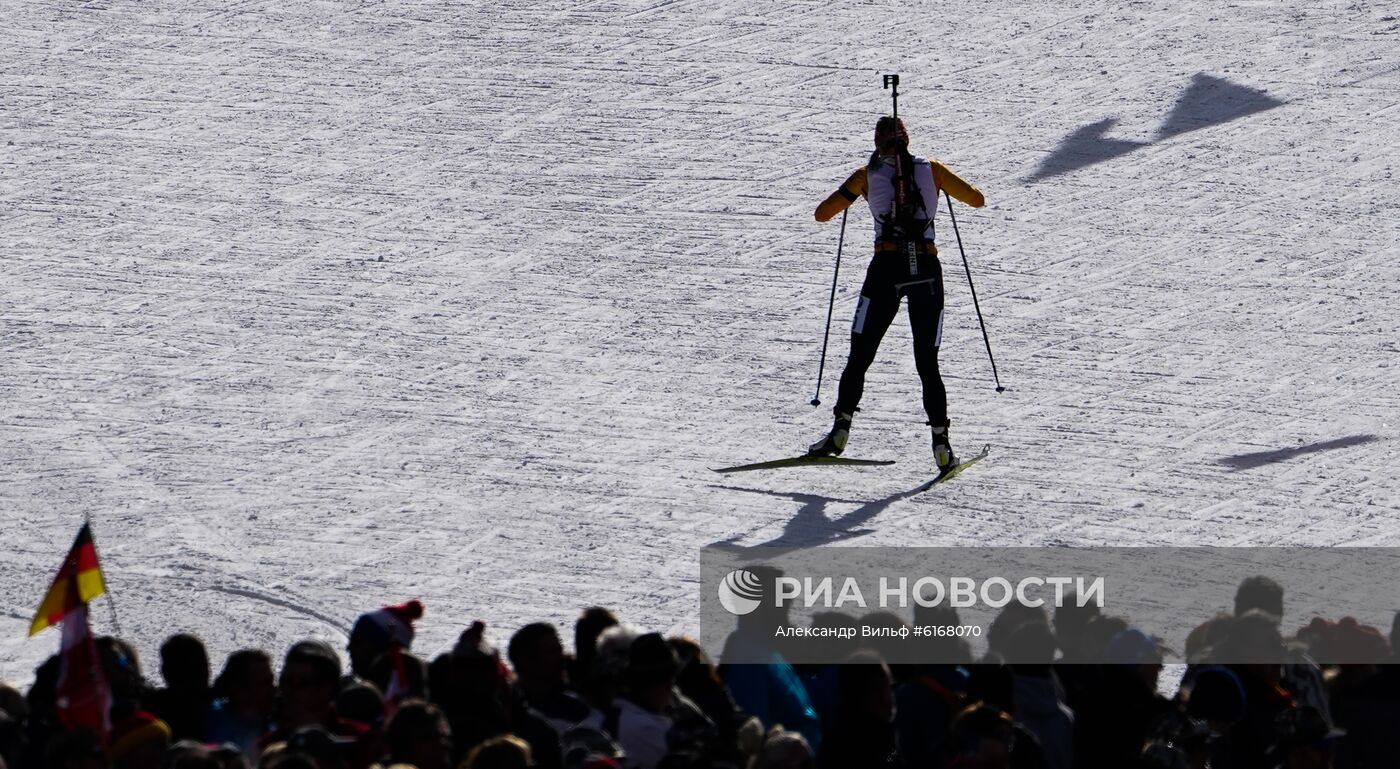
[1082, 691]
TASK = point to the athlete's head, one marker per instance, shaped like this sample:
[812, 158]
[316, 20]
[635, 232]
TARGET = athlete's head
[890, 136]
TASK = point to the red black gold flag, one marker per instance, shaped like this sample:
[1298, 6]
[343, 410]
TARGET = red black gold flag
[79, 580]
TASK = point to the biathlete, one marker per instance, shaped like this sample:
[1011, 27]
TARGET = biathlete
[902, 191]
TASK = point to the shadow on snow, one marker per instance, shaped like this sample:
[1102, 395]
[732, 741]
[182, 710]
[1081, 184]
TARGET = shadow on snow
[1084, 147]
[1260, 458]
[811, 526]
[1211, 101]
[1208, 101]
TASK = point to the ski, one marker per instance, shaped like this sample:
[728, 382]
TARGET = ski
[803, 461]
[953, 471]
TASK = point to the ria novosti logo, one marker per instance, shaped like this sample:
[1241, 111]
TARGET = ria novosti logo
[740, 592]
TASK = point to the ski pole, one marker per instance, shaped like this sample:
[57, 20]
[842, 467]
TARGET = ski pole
[968, 270]
[831, 303]
[111, 604]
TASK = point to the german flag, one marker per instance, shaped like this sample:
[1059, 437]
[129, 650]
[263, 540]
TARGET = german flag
[79, 580]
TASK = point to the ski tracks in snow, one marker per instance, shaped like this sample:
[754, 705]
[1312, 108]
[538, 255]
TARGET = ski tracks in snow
[320, 306]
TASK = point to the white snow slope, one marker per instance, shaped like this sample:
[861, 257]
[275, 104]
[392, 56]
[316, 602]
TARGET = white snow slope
[315, 306]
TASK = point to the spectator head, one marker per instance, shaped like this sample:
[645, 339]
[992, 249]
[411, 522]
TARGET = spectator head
[690, 656]
[41, 694]
[1011, 617]
[247, 682]
[12, 739]
[938, 648]
[864, 685]
[473, 644]
[504, 752]
[585, 671]
[138, 741]
[14, 713]
[888, 630]
[1346, 642]
[1096, 633]
[1135, 648]
[308, 683]
[1254, 643]
[361, 702]
[1395, 633]
[537, 655]
[982, 735]
[376, 632]
[939, 614]
[418, 735]
[842, 637]
[611, 662]
[1204, 639]
[122, 667]
[1216, 696]
[13, 703]
[651, 670]
[590, 624]
[696, 677]
[1069, 623]
[1259, 593]
[1030, 648]
[327, 750]
[414, 674]
[784, 750]
[769, 613]
[616, 640]
[184, 664]
[1303, 739]
[477, 672]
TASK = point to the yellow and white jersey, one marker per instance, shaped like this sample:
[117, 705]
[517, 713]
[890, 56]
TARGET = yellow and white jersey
[877, 187]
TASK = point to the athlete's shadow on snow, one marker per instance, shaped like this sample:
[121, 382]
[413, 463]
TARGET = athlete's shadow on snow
[1261, 458]
[811, 526]
[1211, 101]
[1085, 147]
[1208, 101]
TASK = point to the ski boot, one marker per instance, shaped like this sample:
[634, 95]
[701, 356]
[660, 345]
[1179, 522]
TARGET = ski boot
[943, 455]
[835, 441]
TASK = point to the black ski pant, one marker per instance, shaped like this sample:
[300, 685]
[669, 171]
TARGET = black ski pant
[887, 281]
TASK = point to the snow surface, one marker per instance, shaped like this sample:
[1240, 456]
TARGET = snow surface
[315, 306]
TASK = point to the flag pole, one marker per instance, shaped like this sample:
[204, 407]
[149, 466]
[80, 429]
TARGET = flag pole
[111, 601]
